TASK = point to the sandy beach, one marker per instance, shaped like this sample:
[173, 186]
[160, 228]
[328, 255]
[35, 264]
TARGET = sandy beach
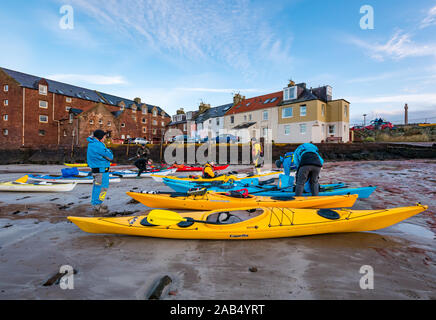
[36, 240]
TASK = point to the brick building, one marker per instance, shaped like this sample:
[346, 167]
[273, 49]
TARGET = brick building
[38, 112]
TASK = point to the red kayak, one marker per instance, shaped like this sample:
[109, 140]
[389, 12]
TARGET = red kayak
[184, 168]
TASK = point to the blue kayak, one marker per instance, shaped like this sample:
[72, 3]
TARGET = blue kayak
[272, 191]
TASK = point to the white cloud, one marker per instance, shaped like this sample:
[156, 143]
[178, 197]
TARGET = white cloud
[398, 47]
[233, 32]
[89, 79]
[430, 19]
[422, 99]
[215, 90]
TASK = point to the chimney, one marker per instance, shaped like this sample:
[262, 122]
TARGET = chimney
[237, 98]
[181, 111]
[137, 100]
[291, 83]
[203, 107]
[406, 114]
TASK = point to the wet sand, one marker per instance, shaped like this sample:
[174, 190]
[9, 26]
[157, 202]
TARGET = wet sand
[36, 240]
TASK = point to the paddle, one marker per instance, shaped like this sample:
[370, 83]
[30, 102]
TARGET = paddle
[22, 179]
[169, 218]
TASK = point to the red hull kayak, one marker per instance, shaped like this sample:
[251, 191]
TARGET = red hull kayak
[192, 169]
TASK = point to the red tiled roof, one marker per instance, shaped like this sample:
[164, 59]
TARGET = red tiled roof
[257, 103]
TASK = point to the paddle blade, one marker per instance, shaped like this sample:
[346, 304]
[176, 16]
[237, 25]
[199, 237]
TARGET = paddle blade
[23, 179]
[164, 217]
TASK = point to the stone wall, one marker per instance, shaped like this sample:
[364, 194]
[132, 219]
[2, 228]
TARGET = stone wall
[330, 152]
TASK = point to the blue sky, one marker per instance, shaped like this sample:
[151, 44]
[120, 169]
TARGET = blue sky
[177, 53]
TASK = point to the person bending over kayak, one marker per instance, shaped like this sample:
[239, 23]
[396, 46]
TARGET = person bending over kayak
[99, 160]
[143, 154]
[208, 172]
[309, 163]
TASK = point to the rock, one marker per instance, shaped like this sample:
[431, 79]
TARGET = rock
[253, 269]
[157, 292]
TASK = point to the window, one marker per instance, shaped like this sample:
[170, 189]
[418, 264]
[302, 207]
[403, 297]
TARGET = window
[217, 121]
[184, 127]
[265, 132]
[144, 129]
[67, 108]
[43, 104]
[71, 118]
[122, 108]
[163, 124]
[144, 110]
[265, 115]
[287, 112]
[345, 128]
[245, 117]
[154, 131]
[154, 113]
[42, 89]
[303, 128]
[91, 121]
[6, 102]
[345, 111]
[287, 130]
[100, 121]
[267, 101]
[249, 117]
[323, 110]
[41, 133]
[68, 99]
[332, 129]
[144, 120]
[123, 125]
[134, 109]
[303, 111]
[273, 99]
[5, 132]
[155, 123]
[109, 123]
[232, 119]
[5, 88]
[210, 121]
[123, 136]
[65, 133]
[289, 93]
[43, 119]
[5, 117]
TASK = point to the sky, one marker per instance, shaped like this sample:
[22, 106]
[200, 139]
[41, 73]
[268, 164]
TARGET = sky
[179, 53]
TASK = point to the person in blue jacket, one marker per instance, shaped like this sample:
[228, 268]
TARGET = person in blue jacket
[99, 160]
[309, 163]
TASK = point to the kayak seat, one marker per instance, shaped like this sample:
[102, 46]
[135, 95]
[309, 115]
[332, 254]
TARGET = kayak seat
[185, 224]
[223, 218]
[262, 183]
[329, 214]
[145, 223]
[178, 194]
[283, 198]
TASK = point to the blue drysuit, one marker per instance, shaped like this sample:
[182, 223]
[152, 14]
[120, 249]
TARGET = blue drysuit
[288, 163]
[98, 158]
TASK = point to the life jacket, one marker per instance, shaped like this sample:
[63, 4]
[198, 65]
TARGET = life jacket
[207, 171]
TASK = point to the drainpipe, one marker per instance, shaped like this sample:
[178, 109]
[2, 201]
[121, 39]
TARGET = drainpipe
[24, 113]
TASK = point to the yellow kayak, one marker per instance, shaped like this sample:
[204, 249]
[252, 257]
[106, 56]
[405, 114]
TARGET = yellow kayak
[238, 224]
[224, 178]
[220, 200]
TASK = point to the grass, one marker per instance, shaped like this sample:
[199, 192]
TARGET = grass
[412, 138]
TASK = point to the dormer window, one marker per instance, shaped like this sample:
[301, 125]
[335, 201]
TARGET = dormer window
[43, 89]
[123, 125]
[154, 113]
[289, 93]
[68, 99]
[144, 110]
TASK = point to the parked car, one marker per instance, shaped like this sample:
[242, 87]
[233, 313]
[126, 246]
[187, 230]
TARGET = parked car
[357, 128]
[180, 138]
[226, 138]
[140, 141]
